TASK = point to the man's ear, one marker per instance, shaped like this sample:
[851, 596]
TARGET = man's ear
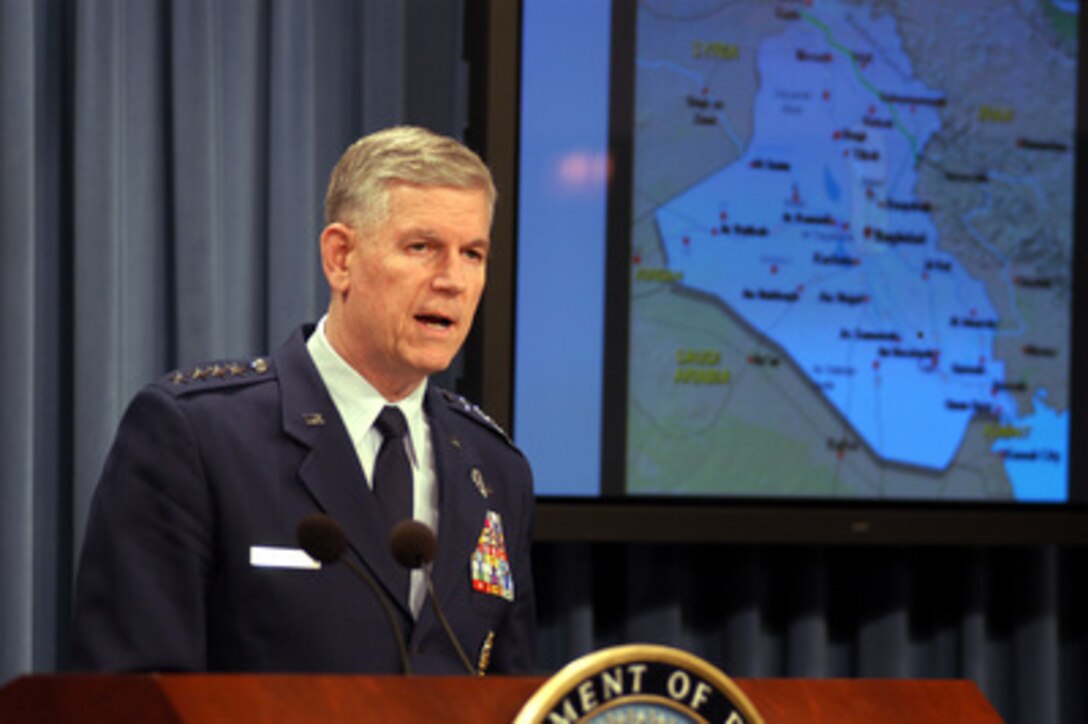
[337, 242]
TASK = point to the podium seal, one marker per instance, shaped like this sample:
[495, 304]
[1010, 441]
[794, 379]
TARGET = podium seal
[639, 683]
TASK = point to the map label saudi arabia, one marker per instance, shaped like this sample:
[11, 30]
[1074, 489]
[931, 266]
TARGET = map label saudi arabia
[830, 254]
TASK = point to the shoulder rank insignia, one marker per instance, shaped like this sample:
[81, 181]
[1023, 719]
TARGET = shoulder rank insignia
[220, 371]
[465, 407]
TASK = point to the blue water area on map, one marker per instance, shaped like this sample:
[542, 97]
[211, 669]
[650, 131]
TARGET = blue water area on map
[1036, 464]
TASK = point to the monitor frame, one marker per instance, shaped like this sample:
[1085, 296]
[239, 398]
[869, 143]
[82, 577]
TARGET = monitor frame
[492, 51]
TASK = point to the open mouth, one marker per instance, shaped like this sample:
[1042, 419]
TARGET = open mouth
[435, 320]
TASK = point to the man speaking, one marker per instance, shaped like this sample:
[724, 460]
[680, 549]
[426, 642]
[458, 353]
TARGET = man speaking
[191, 563]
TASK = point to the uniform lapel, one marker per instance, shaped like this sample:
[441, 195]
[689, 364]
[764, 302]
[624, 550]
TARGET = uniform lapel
[331, 471]
[461, 507]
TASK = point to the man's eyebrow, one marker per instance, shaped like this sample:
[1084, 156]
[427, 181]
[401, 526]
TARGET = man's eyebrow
[422, 232]
[428, 234]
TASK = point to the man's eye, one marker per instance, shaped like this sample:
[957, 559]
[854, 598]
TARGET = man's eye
[475, 254]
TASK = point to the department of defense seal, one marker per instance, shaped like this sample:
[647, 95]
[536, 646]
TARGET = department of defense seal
[639, 683]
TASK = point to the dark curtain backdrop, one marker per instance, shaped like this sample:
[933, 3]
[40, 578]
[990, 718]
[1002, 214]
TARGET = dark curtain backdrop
[161, 172]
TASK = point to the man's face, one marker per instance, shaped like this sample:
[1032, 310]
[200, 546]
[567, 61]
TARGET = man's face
[411, 285]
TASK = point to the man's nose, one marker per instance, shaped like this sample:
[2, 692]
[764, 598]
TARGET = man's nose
[451, 276]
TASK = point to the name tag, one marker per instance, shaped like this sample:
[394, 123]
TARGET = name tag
[276, 557]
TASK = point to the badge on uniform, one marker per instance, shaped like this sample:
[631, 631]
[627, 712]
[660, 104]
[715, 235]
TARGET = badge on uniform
[489, 565]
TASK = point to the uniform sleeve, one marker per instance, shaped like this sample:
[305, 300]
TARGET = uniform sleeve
[139, 602]
[515, 644]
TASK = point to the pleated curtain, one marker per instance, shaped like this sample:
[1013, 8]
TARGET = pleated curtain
[162, 167]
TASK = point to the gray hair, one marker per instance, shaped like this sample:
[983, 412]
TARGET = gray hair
[359, 185]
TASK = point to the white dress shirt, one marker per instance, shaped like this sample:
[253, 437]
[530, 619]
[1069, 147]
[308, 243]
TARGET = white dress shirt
[359, 405]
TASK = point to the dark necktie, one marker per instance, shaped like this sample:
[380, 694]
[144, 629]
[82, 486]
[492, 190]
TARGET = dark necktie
[392, 471]
[393, 483]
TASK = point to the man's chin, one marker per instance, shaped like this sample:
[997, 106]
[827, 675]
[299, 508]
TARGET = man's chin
[432, 364]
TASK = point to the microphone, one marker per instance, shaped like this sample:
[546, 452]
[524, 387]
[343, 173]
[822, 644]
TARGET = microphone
[413, 545]
[324, 540]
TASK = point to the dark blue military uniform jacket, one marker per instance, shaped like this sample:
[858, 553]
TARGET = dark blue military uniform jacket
[211, 464]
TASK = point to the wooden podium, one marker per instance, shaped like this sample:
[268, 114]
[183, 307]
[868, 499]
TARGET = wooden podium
[324, 698]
